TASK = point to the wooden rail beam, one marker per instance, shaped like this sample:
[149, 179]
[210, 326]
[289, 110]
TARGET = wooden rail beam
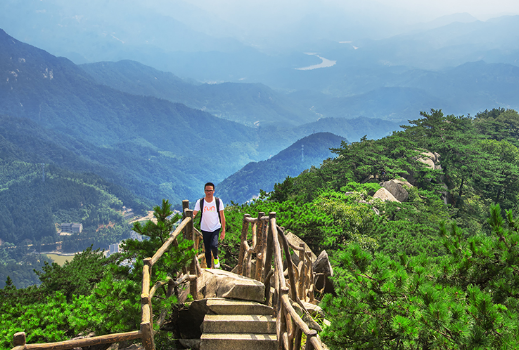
[168, 242]
[19, 341]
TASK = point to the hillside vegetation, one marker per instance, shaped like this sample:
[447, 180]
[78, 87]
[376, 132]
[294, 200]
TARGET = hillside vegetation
[438, 270]
[36, 195]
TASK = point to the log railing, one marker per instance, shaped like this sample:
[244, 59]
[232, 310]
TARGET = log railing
[146, 333]
[268, 241]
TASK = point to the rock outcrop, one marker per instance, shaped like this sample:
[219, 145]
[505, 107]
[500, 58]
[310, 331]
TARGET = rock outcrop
[385, 195]
[296, 241]
[216, 283]
[398, 189]
[432, 160]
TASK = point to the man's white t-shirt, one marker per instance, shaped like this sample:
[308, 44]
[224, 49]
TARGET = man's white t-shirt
[210, 221]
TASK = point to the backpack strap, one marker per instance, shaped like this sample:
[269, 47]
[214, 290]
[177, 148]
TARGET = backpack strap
[218, 209]
[201, 209]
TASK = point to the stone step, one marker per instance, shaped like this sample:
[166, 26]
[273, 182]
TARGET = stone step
[258, 324]
[233, 341]
[222, 306]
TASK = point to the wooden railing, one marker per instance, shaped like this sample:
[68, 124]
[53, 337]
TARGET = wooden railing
[265, 245]
[145, 333]
[268, 241]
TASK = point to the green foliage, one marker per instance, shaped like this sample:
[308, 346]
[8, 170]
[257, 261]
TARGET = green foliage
[367, 188]
[51, 320]
[499, 124]
[61, 307]
[466, 299]
[171, 262]
[18, 266]
[77, 277]
[94, 293]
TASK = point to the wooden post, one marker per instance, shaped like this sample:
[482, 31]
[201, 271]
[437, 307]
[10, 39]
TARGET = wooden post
[311, 280]
[259, 247]
[290, 267]
[185, 206]
[264, 252]
[309, 336]
[268, 253]
[268, 264]
[281, 325]
[279, 280]
[252, 249]
[301, 268]
[147, 336]
[147, 311]
[146, 279]
[244, 230]
[19, 339]
[193, 285]
[297, 338]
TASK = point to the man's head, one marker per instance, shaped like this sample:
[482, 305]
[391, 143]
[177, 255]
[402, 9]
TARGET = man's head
[209, 189]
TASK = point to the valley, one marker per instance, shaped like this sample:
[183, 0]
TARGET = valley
[324, 112]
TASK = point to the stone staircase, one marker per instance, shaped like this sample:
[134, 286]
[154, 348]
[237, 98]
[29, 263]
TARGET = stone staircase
[236, 325]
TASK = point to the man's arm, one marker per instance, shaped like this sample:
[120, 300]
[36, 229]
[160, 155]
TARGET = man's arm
[222, 218]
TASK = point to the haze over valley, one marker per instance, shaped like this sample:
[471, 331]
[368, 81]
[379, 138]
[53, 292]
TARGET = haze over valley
[138, 102]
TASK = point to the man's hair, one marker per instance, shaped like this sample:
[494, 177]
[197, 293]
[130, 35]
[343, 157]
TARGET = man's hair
[209, 184]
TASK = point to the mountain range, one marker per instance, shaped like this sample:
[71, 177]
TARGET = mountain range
[142, 127]
[308, 152]
[155, 147]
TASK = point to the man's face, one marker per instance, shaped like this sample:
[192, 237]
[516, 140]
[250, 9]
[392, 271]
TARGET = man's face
[209, 190]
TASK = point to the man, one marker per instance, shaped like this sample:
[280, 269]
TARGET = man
[211, 223]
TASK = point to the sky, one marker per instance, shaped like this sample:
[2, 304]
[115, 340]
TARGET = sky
[252, 20]
[481, 9]
[424, 9]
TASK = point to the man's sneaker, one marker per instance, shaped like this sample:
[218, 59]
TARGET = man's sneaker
[216, 263]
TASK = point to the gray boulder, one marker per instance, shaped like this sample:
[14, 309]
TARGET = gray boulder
[397, 189]
[322, 264]
[385, 195]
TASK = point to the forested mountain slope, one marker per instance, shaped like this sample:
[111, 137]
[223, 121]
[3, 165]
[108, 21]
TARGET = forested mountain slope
[249, 104]
[36, 196]
[148, 143]
[55, 93]
[305, 153]
[437, 270]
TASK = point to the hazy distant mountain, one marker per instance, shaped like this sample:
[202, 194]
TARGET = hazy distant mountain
[56, 94]
[494, 41]
[249, 104]
[366, 65]
[352, 129]
[101, 30]
[398, 93]
[156, 148]
[247, 182]
[470, 87]
[391, 103]
[443, 21]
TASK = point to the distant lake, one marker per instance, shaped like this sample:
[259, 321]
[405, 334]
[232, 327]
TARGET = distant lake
[324, 64]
